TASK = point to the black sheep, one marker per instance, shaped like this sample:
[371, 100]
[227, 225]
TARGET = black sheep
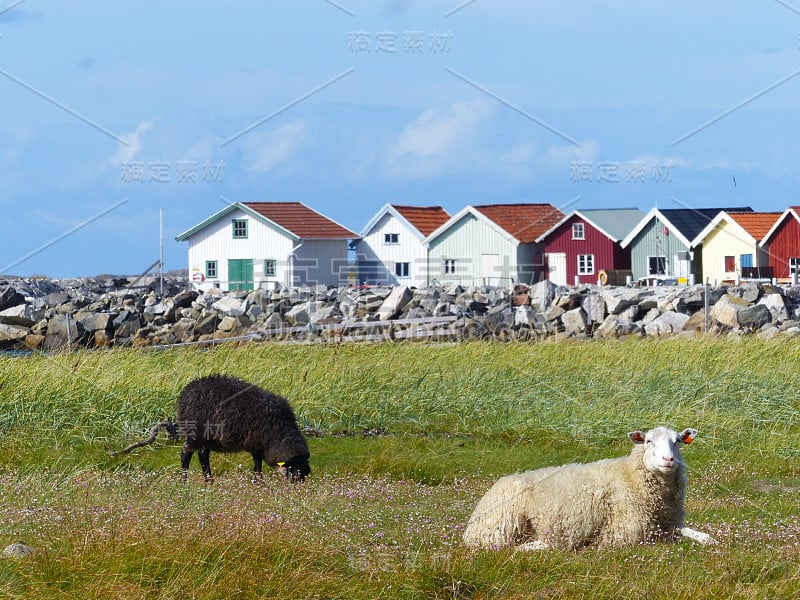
[226, 414]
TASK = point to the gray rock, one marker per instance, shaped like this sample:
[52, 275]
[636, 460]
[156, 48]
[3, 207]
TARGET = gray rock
[553, 312]
[230, 306]
[651, 315]
[10, 297]
[776, 306]
[17, 550]
[754, 316]
[395, 302]
[542, 294]
[725, 311]
[667, 323]
[574, 321]
[126, 324]
[63, 330]
[11, 335]
[595, 308]
[616, 326]
[498, 318]
[92, 322]
[22, 314]
[619, 299]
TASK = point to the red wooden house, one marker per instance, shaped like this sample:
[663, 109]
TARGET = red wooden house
[587, 242]
[783, 244]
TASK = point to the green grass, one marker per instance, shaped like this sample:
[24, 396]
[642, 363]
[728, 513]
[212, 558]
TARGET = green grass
[381, 517]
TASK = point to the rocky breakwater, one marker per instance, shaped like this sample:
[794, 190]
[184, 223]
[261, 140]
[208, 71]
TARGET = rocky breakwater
[49, 315]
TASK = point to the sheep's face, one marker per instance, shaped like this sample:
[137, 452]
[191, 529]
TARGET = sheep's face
[662, 452]
[295, 469]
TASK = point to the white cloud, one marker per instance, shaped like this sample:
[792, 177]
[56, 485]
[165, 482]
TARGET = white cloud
[652, 159]
[268, 150]
[439, 140]
[135, 145]
[564, 155]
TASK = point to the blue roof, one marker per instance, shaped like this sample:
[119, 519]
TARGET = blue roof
[691, 221]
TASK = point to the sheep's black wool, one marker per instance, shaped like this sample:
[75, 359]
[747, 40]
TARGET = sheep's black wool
[226, 414]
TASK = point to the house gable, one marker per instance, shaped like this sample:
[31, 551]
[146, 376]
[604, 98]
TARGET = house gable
[783, 241]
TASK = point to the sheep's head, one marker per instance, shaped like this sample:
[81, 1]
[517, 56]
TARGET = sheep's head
[296, 468]
[662, 453]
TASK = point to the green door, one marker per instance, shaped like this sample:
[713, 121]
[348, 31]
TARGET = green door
[240, 274]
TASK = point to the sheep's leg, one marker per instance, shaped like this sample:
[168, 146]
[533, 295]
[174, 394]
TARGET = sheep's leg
[258, 457]
[533, 546]
[186, 458]
[204, 454]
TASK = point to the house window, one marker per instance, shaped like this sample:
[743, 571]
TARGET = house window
[746, 261]
[449, 266]
[211, 269]
[578, 231]
[402, 269]
[730, 264]
[391, 238]
[656, 265]
[585, 264]
[239, 229]
[794, 265]
[270, 267]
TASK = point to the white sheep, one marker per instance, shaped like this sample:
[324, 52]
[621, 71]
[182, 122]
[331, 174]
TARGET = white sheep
[612, 502]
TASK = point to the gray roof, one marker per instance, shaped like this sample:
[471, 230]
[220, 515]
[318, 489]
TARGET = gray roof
[616, 222]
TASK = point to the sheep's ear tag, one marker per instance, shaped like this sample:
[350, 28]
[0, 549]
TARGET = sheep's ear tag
[687, 439]
[280, 464]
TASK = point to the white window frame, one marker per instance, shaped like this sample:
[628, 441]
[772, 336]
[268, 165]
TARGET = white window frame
[578, 231]
[585, 264]
[391, 239]
[270, 267]
[449, 266]
[794, 265]
[657, 257]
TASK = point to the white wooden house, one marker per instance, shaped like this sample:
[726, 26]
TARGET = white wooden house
[493, 244]
[248, 245]
[391, 248]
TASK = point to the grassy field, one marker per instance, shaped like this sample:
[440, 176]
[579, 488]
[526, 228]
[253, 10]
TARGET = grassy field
[411, 436]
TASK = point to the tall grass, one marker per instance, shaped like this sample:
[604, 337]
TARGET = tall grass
[382, 516]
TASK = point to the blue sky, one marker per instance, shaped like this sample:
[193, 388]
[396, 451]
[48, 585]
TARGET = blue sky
[113, 111]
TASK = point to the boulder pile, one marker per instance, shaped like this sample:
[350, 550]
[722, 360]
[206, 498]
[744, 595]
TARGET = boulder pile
[49, 315]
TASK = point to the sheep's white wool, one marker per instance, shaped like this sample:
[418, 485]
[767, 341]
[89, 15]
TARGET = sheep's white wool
[635, 498]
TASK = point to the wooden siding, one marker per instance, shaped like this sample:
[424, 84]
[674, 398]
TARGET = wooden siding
[465, 241]
[784, 244]
[316, 261]
[216, 242]
[377, 259]
[651, 241]
[320, 262]
[607, 254]
[726, 240]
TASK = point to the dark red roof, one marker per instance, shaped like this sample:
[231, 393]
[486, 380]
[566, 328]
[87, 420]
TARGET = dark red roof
[525, 222]
[302, 221]
[426, 219]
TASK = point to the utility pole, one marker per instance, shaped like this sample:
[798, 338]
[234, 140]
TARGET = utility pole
[161, 252]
